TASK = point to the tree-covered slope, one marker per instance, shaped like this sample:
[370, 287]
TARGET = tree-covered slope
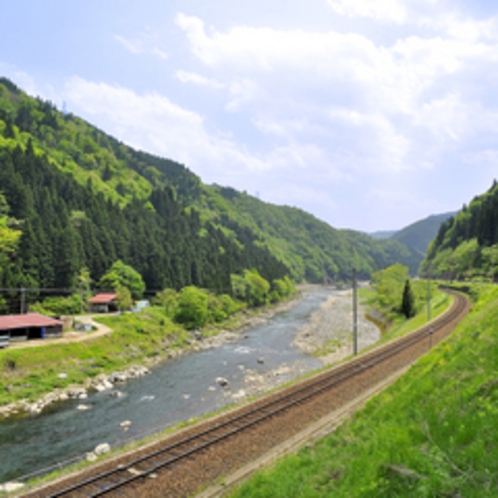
[310, 247]
[418, 235]
[157, 192]
[466, 245]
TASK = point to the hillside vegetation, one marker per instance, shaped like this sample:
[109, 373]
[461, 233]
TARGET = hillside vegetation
[81, 198]
[432, 433]
[418, 235]
[466, 245]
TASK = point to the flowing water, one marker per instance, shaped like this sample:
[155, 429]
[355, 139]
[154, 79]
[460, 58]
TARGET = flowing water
[175, 391]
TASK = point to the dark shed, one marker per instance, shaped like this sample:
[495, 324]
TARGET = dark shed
[29, 326]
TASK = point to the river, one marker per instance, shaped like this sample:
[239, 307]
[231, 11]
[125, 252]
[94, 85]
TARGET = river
[177, 390]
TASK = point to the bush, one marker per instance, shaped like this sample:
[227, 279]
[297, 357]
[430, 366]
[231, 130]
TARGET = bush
[57, 306]
[168, 299]
[192, 309]
[121, 275]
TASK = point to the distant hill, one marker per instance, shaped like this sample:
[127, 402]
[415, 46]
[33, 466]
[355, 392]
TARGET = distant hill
[382, 234]
[83, 199]
[418, 235]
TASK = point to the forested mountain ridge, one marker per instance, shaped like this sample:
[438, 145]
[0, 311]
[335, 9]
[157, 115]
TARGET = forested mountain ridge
[466, 245]
[314, 250]
[82, 198]
[69, 218]
[418, 235]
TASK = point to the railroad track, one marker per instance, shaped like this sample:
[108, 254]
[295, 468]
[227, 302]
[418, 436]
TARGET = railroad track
[169, 468]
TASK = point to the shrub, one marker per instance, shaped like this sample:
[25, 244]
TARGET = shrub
[57, 306]
[168, 299]
[192, 308]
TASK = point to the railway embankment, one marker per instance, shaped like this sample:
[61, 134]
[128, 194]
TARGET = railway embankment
[432, 433]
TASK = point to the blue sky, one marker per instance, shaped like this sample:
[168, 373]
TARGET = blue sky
[369, 114]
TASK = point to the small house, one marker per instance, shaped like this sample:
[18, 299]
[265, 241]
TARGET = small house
[29, 326]
[105, 302]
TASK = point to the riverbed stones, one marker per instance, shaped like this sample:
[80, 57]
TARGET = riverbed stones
[222, 381]
[116, 377]
[240, 394]
[75, 392]
[10, 487]
[102, 448]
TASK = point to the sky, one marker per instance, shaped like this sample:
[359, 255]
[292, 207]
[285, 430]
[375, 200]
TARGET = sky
[369, 114]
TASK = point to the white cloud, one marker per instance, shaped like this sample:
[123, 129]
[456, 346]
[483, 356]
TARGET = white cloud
[363, 105]
[152, 122]
[197, 79]
[145, 43]
[265, 49]
[394, 11]
[133, 46]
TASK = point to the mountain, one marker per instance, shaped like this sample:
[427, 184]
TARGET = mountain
[466, 244]
[382, 234]
[418, 235]
[312, 249]
[81, 198]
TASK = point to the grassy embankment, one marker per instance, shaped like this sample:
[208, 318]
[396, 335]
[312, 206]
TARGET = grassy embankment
[138, 338]
[432, 433]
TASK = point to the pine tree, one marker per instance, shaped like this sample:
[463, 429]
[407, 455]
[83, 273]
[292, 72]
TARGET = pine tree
[408, 301]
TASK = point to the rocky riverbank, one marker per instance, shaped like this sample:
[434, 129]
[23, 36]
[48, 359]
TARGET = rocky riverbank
[101, 382]
[104, 382]
[327, 336]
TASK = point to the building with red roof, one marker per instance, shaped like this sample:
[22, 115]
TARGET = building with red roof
[103, 303]
[29, 326]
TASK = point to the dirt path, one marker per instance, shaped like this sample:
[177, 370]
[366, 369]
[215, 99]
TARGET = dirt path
[98, 330]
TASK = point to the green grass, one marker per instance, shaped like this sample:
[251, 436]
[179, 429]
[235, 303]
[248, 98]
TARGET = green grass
[32, 372]
[433, 433]
[440, 302]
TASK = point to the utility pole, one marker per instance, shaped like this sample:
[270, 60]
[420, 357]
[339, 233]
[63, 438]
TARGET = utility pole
[23, 300]
[355, 314]
[428, 299]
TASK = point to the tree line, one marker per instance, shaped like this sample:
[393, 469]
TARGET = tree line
[60, 227]
[466, 245]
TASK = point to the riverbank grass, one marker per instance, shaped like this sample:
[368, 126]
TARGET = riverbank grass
[136, 338]
[143, 338]
[440, 302]
[432, 433]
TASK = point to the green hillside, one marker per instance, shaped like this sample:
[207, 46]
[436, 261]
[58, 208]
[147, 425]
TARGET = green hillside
[116, 191]
[466, 245]
[418, 235]
[312, 249]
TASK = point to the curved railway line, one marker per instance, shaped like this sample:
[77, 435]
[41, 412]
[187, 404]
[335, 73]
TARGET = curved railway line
[198, 455]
